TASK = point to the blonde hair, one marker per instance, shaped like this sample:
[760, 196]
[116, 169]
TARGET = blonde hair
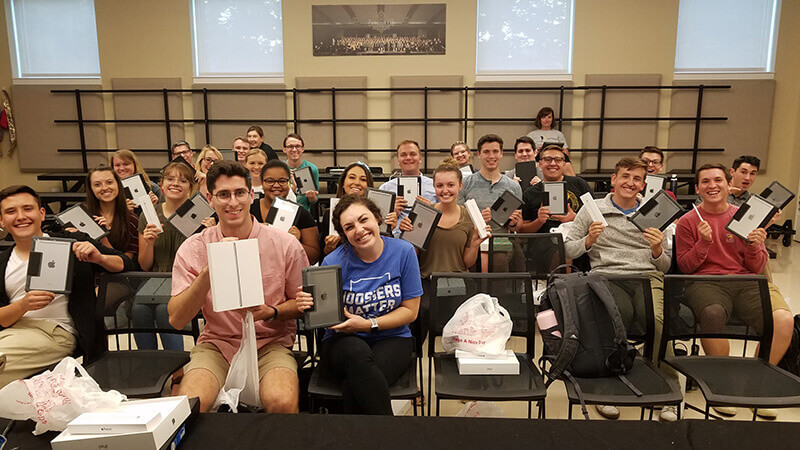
[129, 156]
[207, 149]
[255, 151]
[449, 165]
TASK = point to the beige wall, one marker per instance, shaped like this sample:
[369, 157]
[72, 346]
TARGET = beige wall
[152, 39]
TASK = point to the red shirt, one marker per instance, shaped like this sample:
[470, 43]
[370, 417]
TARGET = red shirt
[726, 254]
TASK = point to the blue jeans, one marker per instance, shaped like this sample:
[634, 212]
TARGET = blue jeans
[154, 316]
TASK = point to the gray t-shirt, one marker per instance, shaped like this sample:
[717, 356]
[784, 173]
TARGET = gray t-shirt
[541, 136]
[486, 193]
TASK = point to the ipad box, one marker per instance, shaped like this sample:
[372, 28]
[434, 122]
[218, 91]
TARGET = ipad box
[756, 212]
[189, 217]
[384, 200]
[472, 364]
[50, 265]
[653, 184]
[235, 271]
[77, 216]
[503, 207]
[324, 283]
[477, 217]
[525, 170]
[282, 214]
[136, 189]
[466, 170]
[658, 212]
[409, 188]
[555, 197]
[172, 413]
[331, 229]
[777, 194]
[305, 180]
[424, 219]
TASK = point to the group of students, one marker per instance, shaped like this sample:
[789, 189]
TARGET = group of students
[383, 277]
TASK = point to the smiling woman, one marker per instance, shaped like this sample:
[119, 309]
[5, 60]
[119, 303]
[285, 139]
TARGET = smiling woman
[106, 204]
[372, 348]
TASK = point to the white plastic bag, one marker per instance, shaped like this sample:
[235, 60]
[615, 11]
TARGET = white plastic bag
[481, 409]
[480, 325]
[241, 384]
[53, 399]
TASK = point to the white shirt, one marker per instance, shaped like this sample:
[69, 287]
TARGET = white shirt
[56, 311]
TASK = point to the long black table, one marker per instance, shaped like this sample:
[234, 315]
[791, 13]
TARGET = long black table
[306, 431]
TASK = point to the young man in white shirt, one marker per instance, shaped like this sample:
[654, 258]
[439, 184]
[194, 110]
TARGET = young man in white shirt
[39, 328]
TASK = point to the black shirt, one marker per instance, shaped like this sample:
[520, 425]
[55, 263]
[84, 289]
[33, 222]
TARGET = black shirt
[304, 218]
[269, 151]
[532, 198]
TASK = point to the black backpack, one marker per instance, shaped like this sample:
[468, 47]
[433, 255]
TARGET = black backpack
[592, 342]
[791, 360]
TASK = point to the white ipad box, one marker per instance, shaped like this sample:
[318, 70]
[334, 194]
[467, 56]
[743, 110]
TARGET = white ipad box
[282, 214]
[135, 189]
[653, 184]
[235, 271]
[477, 217]
[408, 188]
[78, 217]
[50, 265]
[331, 230]
[594, 211]
[472, 364]
[172, 412]
[150, 214]
[556, 192]
[384, 200]
[756, 212]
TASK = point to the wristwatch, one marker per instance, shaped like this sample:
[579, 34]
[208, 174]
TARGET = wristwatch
[273, 316]
[374, 327]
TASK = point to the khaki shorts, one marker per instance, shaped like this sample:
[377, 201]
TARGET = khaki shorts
[739, 298]
[271, 356]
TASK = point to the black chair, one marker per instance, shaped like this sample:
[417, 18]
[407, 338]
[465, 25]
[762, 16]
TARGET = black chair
[325, 386]
[656, 389]
[535, 253]
[727, 380]
[135, 373]
[513, 291]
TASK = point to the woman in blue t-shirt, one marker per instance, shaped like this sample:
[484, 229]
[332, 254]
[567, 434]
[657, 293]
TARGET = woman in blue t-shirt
[372, 348]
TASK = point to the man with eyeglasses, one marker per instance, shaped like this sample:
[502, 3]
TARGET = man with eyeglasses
[282, 260]
[537, 218]
[184, 150]
[654, 158]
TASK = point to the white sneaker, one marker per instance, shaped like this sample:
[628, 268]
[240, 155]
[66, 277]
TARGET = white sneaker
[668, 414]
[767, 413]
[725, 410]
[608, 411]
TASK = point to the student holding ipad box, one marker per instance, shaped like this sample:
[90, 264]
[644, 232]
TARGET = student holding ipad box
[275, 177]
[293, 147]
[106, 203]
[126, 164]
[39, 328]
[705, 247]
[157, 252]
[373, 347]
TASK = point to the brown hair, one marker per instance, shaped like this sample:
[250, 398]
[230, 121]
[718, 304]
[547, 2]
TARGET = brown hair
[257, 129]
[350, 200]
[459, 144]
[129, 156]
[709, 167]
[340, 187]
[652, 149]
[255, 151]
[448, 165]
[119, 235]
[629, 162]
[544, 112]
[295, 136]
[408, 141]
[486, 138]
[184, 170]
[20, 189]
[229, 169]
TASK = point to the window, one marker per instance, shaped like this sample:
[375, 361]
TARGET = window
[237, 39]
[53, 38]
[524, 37]
[736, 36]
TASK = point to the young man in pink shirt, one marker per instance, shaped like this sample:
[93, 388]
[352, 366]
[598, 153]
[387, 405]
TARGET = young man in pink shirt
[705, 247]
[283, 258]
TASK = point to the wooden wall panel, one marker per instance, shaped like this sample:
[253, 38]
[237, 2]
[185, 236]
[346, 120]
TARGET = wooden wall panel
[619, 103]
[38, 137]
[243, 107]
[349, 105]
[148, 106]
[748, 106]
[509, 104]
[406, 105]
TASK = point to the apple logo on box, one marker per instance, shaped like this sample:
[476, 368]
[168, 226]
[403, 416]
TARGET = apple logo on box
[51, 264]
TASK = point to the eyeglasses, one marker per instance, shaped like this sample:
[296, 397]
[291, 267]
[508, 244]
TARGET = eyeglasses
[180, 180]
[208, 160]
[182, 153]
[551, 159]
[272, 181]
[225, 196]
[652, 162]
[293, 147]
